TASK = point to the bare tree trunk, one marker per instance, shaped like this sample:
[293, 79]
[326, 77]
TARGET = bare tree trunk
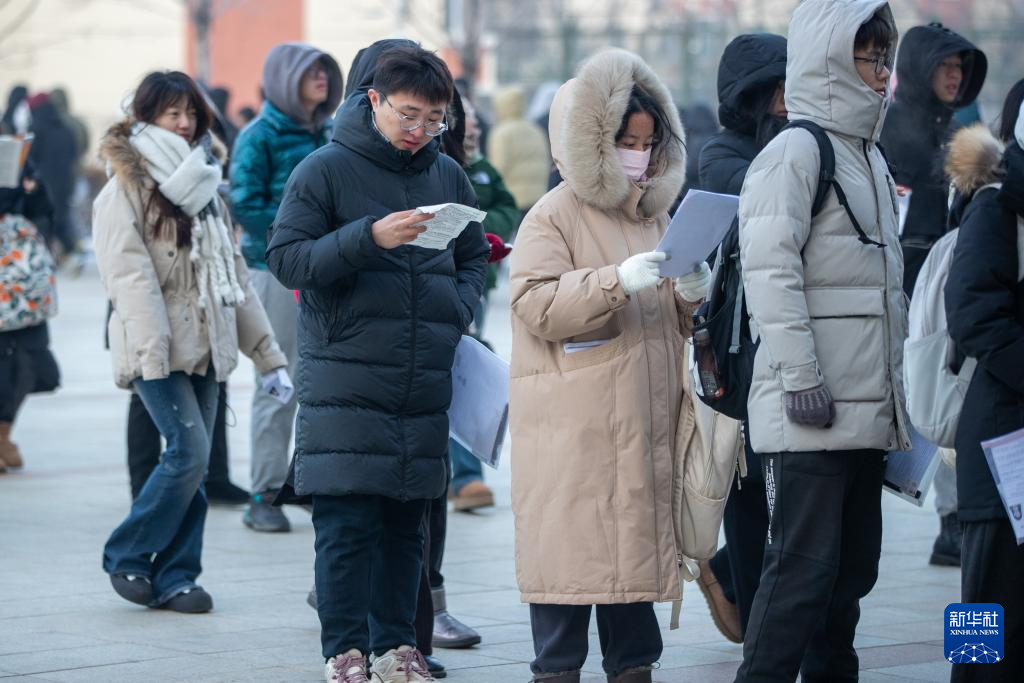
[201, 15]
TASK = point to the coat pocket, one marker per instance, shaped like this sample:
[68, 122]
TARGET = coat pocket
[848, 324]
[594, 355]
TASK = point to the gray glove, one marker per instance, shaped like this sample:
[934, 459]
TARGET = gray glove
[811, 407]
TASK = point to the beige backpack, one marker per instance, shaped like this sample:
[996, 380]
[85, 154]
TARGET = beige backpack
[709, 452]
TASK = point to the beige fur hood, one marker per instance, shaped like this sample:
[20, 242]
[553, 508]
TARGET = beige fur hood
[585, 116]
[127, 163]
[973, 159]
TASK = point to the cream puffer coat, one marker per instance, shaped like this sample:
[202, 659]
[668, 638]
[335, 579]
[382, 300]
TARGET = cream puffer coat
[598, 434]
[157, 326]
[829, 308]
[517, 148]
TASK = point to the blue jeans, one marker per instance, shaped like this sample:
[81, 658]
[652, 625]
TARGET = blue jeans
[466, 467]
[162, 537]
[369, 555]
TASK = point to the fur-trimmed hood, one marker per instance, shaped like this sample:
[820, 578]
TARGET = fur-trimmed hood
[127, 163]
[974, 159]
[586, 114]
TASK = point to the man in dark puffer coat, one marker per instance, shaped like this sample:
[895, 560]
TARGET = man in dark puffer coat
[378, 324]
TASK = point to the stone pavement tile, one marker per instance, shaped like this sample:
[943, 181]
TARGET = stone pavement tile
[934, 672]
[15, 641]
[907, 632]
[893, 655]
[50, 661]
[234, 641]
[15, 678]
[504, 673]
[680, 656]
[723, 672]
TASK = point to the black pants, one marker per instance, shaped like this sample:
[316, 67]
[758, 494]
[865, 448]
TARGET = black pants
[26, 367]
[369, 555]
[144, 443]
[737, 565]
[629, 635]
[991, 569]
[821, 558]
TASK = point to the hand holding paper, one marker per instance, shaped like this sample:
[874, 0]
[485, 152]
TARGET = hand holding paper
[446, 222]
[278, 384]
[640, 271]
[694, 286]
[696, 230]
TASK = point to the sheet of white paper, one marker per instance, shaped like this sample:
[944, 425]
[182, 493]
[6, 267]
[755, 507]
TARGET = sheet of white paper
[573, 347]
[904, 204]
[478, 416]
[1005, 457]
[448, 223]
[10, 160]
[696, 230]
[909, 474]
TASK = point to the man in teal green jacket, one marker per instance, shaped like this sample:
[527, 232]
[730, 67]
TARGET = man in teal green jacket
[303, 87]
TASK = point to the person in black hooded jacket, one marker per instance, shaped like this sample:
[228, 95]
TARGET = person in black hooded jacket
[752, 111]
[985, 312]
[938, 72]
[378, 324]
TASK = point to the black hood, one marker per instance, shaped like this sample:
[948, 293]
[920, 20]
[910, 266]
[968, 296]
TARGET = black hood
[921, 50]
[750, 63]
[360, 74]
[354, 128]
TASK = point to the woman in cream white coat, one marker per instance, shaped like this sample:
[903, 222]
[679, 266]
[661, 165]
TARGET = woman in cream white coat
[598, 375]
[183, 308]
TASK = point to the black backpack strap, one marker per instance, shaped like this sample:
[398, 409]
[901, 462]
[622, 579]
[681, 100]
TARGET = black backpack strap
[827, 177]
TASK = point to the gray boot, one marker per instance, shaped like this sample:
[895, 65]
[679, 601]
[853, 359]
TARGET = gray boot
[449, 632]
[639, 674]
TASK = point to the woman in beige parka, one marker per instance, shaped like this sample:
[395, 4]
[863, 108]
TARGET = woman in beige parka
[182, 309]
[598, 365]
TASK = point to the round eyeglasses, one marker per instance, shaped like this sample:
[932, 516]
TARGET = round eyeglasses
[411, 123]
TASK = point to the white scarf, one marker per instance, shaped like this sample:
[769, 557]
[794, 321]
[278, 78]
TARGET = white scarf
[189, 177]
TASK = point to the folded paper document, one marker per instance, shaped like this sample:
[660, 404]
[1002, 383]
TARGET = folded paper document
[448, 223]
[478, 416]
[696, 230]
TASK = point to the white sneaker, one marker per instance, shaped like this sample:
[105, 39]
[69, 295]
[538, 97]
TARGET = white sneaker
[347, 668]
[404, 665]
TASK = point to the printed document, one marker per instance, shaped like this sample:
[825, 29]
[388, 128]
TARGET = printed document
[478, 416]
[909, 474]
[1005, 457]
[448, 223]
[696, 230]
[13, 152]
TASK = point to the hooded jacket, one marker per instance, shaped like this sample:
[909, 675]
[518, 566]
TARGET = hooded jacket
[595, 431]
[985, 308]
[917, 129]
[360, 74]
[750, 64]
[273, 144]
[157, 326]
[518, 149]
[829, 309]
[377, 328]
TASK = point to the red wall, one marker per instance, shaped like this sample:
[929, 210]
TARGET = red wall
[242, 33]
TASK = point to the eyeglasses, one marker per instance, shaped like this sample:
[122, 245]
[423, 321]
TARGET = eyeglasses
[880, 62]
[431, 128]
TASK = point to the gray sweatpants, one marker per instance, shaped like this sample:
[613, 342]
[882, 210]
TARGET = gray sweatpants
[272, 422]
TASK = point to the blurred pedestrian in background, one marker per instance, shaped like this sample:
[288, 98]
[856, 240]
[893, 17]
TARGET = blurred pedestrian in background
[303, 87]
[518, 149]
[55, 155]
[751, 107]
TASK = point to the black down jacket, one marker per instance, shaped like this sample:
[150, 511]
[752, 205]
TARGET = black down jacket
[917, 128]
[377, 328]
[751, 64]
[985, 310]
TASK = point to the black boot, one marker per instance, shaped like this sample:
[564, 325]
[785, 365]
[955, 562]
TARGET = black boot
[640, 674]
[946, 551]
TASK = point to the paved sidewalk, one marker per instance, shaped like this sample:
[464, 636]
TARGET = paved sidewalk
[60, 620]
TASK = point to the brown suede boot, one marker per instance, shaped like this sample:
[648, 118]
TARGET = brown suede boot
[472, 496]
[9, 453]
[724, 613]
[640, 674]
[564, 677]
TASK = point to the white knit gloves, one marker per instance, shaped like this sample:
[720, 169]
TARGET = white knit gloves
[694, 286]
[640, 271]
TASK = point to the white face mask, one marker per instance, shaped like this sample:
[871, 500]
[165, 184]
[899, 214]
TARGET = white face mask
[634, 163]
